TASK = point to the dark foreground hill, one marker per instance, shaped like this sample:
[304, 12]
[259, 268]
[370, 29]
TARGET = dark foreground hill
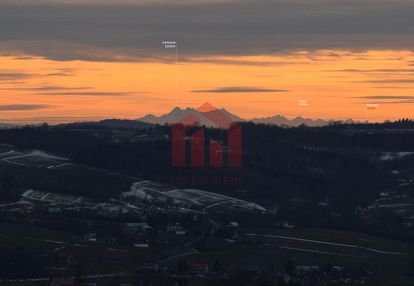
[303, 197]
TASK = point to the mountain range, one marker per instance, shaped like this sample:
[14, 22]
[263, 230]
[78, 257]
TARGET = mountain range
[6, 126]
[211, 117]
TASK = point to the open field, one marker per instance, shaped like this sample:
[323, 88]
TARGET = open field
[93, 258]
[336, 237]
[190, 198]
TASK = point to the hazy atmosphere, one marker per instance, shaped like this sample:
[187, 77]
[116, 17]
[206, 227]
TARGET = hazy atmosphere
[73, 60]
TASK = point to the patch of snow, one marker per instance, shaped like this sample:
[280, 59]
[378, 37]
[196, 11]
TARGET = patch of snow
[388, 156]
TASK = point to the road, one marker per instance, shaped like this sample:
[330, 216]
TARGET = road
[321, 242]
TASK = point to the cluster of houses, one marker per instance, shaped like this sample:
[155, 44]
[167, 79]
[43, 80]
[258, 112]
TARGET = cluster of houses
[244, 273]
[391, 212]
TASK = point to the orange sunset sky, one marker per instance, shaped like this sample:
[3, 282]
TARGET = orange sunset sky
[79, 79]
[335, 84]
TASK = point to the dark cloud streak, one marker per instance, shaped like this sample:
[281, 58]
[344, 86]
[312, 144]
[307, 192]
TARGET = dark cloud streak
[12, 76]
[391, 81]
[130, 32]
[45, 88]
[23, 107]
[92, 93]
[239, 90]
[387, 97]
[374, 70]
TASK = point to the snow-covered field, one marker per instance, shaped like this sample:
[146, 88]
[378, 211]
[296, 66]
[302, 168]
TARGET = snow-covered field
[32, 198]
[190, 198]
[32, 159]
[388, 156]
[52, 197]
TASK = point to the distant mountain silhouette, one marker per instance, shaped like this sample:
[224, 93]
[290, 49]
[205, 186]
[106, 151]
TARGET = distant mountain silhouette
[6, 126]
[283, 121]
[211, 117]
